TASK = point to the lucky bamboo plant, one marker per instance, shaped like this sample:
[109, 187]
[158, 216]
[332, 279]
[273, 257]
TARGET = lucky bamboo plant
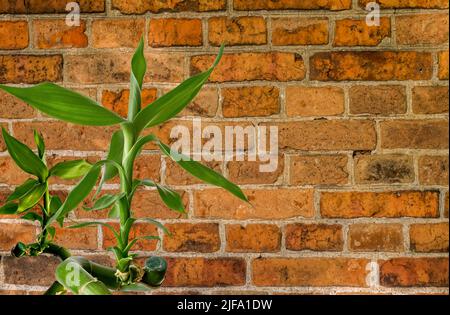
[76, 274]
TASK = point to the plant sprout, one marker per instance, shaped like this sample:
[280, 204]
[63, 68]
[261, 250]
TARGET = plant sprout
[126, 144]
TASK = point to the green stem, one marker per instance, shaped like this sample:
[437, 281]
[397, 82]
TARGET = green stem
[55, 289]
[58, 251]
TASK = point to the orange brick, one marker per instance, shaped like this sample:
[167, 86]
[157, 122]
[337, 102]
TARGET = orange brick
[141, 7]
[314, 272]
[205, 272]
[316, 237]
[389, 169]
[205, 104]
[371, 65]
[13, 108]
[12, 233]
[186, 237]
[266, 204]
[147, 166]
[414, 272]
[50, 34]
[248, 172]
[422, 29]
[443, 65]
[414, 134]
[433, 170]
[10, 173]
[54, 6]
[175, 175]
[292, 5]
[148, 204]
[82, 238]
[380, 204]
[299, 31]
[116, 33]
[37, 271]
[430, 99]
[246, 30]
[175, 32]
[376, 237]
[408, 4]
[318, 170]
[273, 66]
[253, 238]
[377, 100]
[30, 69]
[446, 205]
[427, 238]
[13, 34]
[314, 101]
[327, 135]
[350, 32]
[117, 101]
[250, 101]
[138, 230]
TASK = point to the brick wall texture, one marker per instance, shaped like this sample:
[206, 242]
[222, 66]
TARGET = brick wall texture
[359, 201]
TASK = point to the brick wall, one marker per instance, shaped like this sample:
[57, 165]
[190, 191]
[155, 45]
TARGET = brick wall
[362, 112]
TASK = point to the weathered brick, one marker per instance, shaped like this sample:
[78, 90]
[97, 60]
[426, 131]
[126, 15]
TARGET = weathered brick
[82, 238]
[30, 270]
[379, 204]
[318, 170]
[187, 237]
[147, 166]
[430, 99]
[272, 66]
[12, 233]
[314, 101]
[246, 30]
[388, 169]
[266, 204]
[54, 6]
[377, 100]
[292, 5]
[371, 65]
[250, 101]
[433, 170]
[414, 134]
[376, 237]
[351, 32]
[10, 173]
[422, 29]
[13, 108]
[249, 172]
[408, 4]
[327, 135]
[30, 69]
[316, 237]
[175, 32]
[253, 238]
[428, 238]
[117, 101]
[205, 272]
[114, 67]
[138, 230]
[299, 31]
[13, 34]
[116, 33]
[205, 104]
[309, 272]
[414, 272]
[443, 65]
[175, 175]
[50, 34]
[140, 7]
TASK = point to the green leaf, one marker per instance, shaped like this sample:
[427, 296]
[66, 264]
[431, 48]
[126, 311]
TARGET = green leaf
[105, 201]
[55, 204]
[22, 189]
[138, 68]
[70, 169]
[9, 208]
[92, 223]
[134, 241]
[157, 224]
[171, 198]
[30, 199]
[64, 104]
[137, 148]
[51, 231]
[115, 154]
[170, 104]
[24, 157]
[31, 216]
[114, 212]
[40, 144]
[202, 172]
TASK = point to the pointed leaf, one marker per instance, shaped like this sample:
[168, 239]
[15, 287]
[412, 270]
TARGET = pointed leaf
[64, 104]
[55, 204]
[138, 68]
[22, 189]
[40, 144]
[134, 241]
[115, 154]
[30, 199]
[171, 198]
[9, 208]
[31, 216]
[24, 157]
[105, 201]
[70, 169]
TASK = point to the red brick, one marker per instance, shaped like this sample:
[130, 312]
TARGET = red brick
[299, 31]
[117, 101]
[380, 204]
[246, 30]
[273, 66]
[141, 7]
[10, 173]
[175, 32]
[292, 5]
[14, 34]
[377, 100]
[414, 272]
[376, 237]
[82, 238]
[253, 238]
[427, 238]
[408, 4]
[351, 32]
[54, 6]
[34, 271]
[371, 65]
[266, 204]
[430, 99]
[316, 237]
[250, 101]
[30, 69]
[13, 108]
[249, 172]
[422, 29]
[443, 65]
[175, 175]
[12, 233]
[314, 101]
[50, 34]
[314, 272]
[318, 170]
[186, 237]
[433, 170]
[389, 169]
[117, 33]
